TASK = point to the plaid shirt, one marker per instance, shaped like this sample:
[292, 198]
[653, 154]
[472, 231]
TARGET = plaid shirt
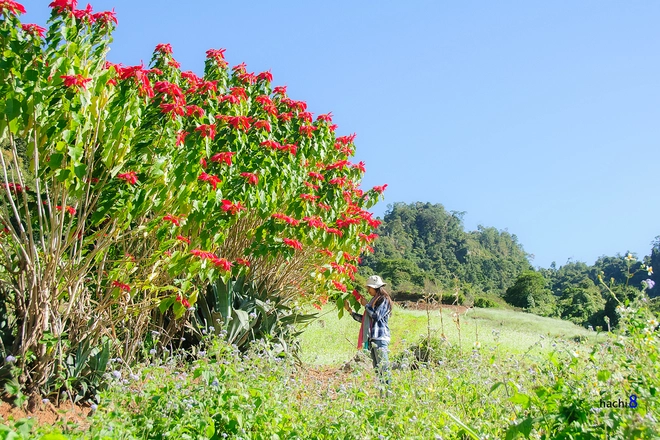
[380, 316]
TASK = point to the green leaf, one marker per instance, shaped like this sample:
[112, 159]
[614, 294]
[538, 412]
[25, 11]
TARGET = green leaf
[604, 375]
[80, 170]
[495, 386]
[521, 399]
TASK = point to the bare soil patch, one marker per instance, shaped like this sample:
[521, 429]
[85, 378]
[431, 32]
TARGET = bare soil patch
[48, 414]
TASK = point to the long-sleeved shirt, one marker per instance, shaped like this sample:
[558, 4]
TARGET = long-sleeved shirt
[379, 328]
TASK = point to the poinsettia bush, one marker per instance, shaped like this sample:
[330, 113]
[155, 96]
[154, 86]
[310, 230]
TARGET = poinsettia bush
[128, 189]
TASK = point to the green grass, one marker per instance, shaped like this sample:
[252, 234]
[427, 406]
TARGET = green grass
[330, 341]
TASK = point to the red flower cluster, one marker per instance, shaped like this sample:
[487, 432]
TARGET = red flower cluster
[243, 262]
[290, 220]
[339, 286]
[218, 55]
[280, 90]
[337, 165]
[380, 189]
[309, 197]
[327, 117]
[61, 6]
[121, 286]
[12, 7]
[194, 110]
[183, 239]
[207, 130]
[225, 157]
[252, 178]
[174, 219]
[32, 28]
[164, 48]
[315, 222]
[211, 179]
[265, 76]
[315, 175]
[240, 122]
[231, 207]
[181, 137]
[75, 80]
[140, 75]
[129, 177]
[306, 116]
[367, 238]
[326, 252]
[307, 130]
[205, 255]
[70, 209]
[263, 125]
[15, 187]
[291, 148]
[292, 243]
[183, 301]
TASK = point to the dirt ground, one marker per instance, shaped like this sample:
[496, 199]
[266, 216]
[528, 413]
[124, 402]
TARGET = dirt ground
[47, 414]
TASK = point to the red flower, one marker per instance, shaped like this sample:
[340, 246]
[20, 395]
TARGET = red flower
[231, 207]
[266, 76]
[315, 175]
[121, 286]
[181, 137]
[334, 231]
[324, 206]
[280, 90]
[285, 117]
[306, 116]
[327, 117]
[243, 262]
[61, 6]
[311, 185]
[130, 177]
[240, 122]
[206, 130]
[315, 222]
[263, 125]
[164, 48]
[360, 166]
[82, 14]
[75, 80]
[194, 110]
[251, 178]
[183, 301]
[210, 178]
[70, 209]
[32, 28]
[337, 165]
[173, 109]
[202, 162]
[239, 67]
[183, 239]
[271, 144]
[339, 286]
[218, 55]
[307, 130]
[173, 219]
[239, 92]
[340, 181]
[225, 157]
[223, 263]
[174, 63]
[345, 140]
[380, 189]
[309, 197]
[292, 243]
[290, 220]
[105, 17]
[326, 252]
[248, 78]
[13, 7]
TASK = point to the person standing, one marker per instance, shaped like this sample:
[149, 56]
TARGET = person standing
[375, 330]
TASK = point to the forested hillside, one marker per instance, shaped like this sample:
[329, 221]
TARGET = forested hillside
[422, 245]
[423, 241]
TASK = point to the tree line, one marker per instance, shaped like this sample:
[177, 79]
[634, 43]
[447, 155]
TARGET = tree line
[424, 249]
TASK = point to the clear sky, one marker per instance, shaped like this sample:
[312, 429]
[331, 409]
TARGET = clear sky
[542, 118]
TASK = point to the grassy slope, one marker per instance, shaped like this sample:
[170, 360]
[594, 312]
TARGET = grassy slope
[331, 341]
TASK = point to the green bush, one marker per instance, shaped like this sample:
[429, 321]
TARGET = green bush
[485, 303]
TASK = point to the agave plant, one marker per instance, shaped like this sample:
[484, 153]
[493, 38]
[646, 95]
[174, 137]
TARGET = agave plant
[244, 310]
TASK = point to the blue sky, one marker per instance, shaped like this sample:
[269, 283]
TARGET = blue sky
[542, 118]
